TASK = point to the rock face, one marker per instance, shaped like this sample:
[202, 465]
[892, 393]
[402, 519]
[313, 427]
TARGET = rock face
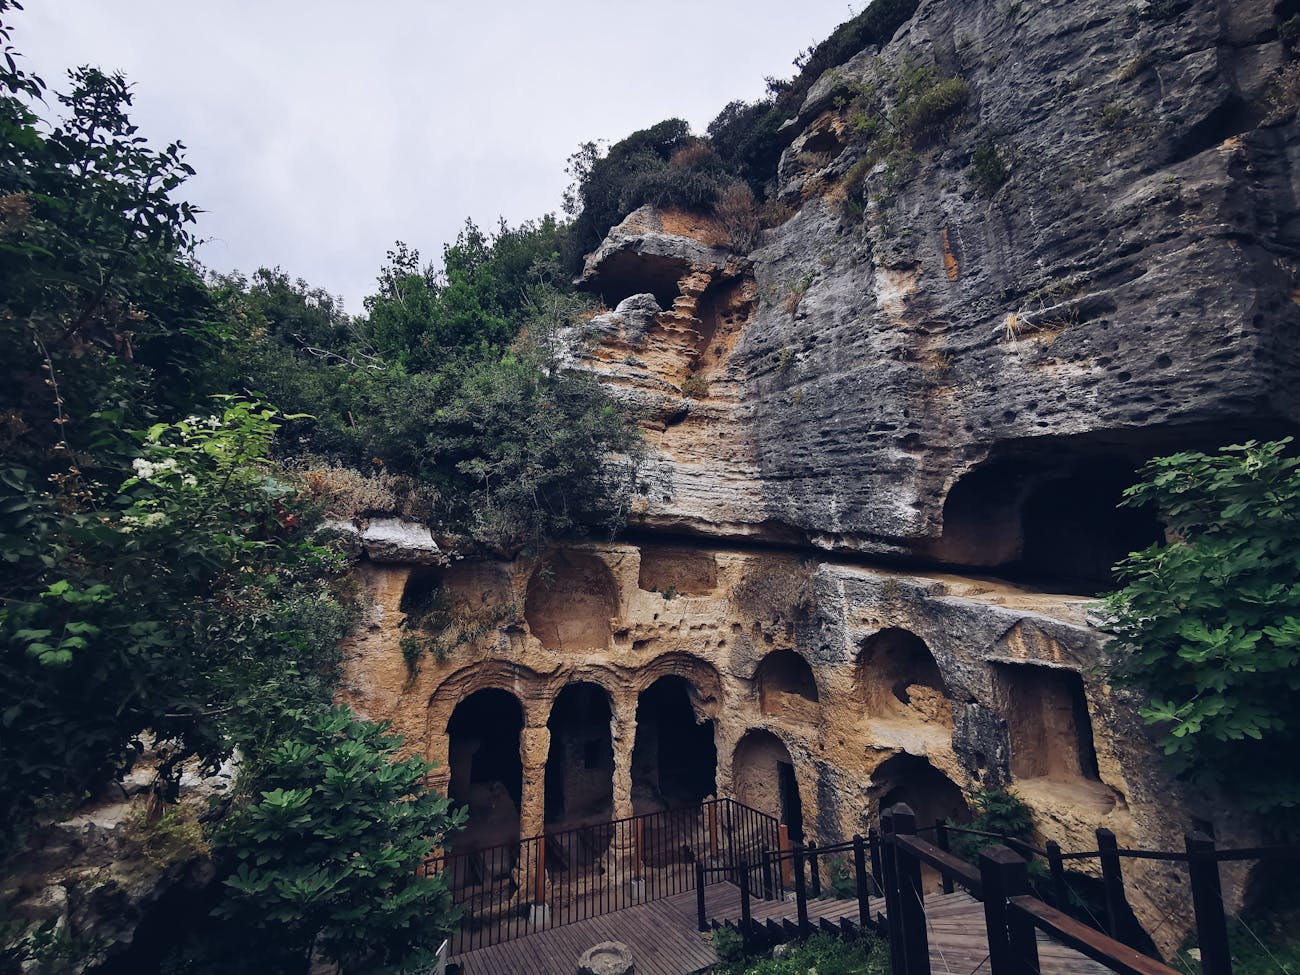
[1128, 291]
[887, 401]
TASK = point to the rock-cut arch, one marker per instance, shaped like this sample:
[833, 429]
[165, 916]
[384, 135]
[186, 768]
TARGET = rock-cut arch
[571, 602]
[763, 778]
[580, 765]
[674, 757]
[897, 677]
[487, 774]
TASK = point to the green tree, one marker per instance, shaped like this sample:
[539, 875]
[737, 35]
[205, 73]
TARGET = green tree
[326, 850]
[1209, 623]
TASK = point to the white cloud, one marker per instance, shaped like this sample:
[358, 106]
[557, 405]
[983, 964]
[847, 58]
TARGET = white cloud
[323, 131]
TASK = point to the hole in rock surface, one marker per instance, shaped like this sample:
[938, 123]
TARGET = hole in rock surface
[763, 777]
[421, 592]
[913, 780]
[629, 273]
[571, 602]
[580, 766]
[674, 759]
[683, 570]
[486, 770]
[1052, 522]
[897, 676]
[1047, 721]
[786, 687]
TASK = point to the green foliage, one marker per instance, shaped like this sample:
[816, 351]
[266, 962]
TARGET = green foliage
[1114, 115]
[1209, 624]
[862, 954]
[190, 602]
[729, 945]
[662, 165]
[988, 171]
[843, 884]
[748, 136]
[998, 811]
[325, 853]
[695, 387]
[893, 118]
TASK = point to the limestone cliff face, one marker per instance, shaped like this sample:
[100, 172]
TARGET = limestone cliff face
[1130, 289]
[883, 402]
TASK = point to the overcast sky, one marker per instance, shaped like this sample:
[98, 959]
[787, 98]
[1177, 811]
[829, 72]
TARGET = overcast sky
[323, 131]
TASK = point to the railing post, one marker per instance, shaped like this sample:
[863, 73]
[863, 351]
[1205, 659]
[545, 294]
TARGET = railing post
[732, 861]
[745, 918]
[1056, 867]
[877, 873]
[787, 869]
[713, 829]
[699, 896]
[801, 893]
[893, 909]
[1013, 948]
[1207, 902]
[1112, 879]
[765, 856]
[941, 841]
[860, 879]
[910, 896]
[814, 872]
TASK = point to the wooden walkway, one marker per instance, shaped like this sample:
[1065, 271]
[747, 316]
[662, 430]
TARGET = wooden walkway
[662, 934]
[959, 943]
[664, 940]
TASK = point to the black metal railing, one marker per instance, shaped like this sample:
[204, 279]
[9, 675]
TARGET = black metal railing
[793, 868]
[569, 875]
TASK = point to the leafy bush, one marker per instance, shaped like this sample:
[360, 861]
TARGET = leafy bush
[747, 135]
[998, 811]
[695, 387]
[325, 850]
[988, 171]
[862, 954]
[729, 945]
[1208, 624]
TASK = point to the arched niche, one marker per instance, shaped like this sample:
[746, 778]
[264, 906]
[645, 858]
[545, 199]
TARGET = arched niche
[580, 765]
[571, 602]
[674, 758]
[911, 779]
[786, 686]
[486, 769]
[763, 778]
[897, 676]
[1048, 723]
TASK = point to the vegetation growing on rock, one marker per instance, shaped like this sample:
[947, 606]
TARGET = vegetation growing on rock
[1208, 624]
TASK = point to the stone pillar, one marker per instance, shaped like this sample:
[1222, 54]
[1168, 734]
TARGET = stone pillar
[534, 747]
[623, 736]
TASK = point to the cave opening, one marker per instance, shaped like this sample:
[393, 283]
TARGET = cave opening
[487, 773]
[674, 758]
[763, 778]
[580, 765]
[911, 779]
[897, 676]
[677, 570]
[571, 602]
[1052, 521]
[1047, 719]
[786, 686]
